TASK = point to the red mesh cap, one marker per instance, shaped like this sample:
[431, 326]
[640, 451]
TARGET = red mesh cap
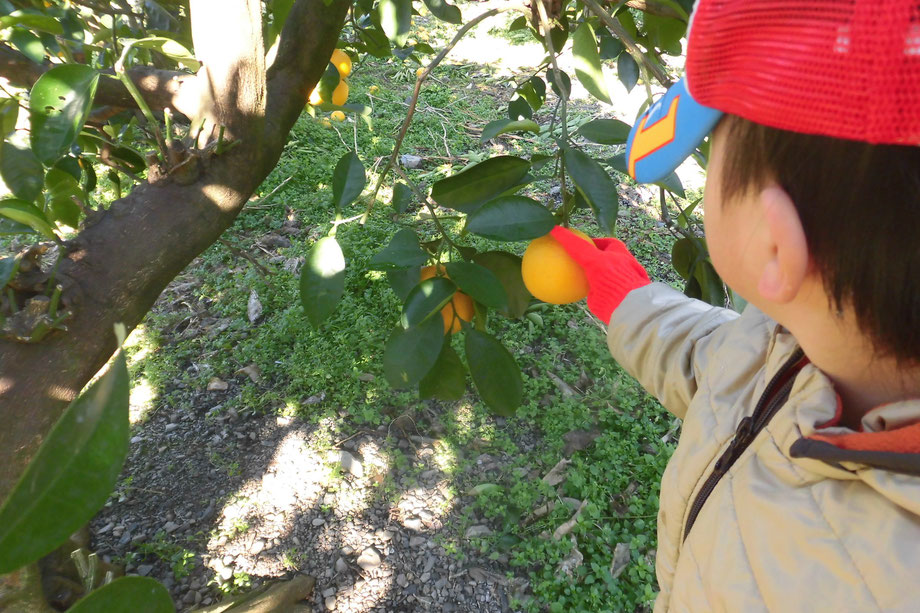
[843, 68]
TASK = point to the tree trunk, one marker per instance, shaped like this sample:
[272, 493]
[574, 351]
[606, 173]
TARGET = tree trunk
[124, 257]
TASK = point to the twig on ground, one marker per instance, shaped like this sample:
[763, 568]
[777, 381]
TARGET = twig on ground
[237, 251]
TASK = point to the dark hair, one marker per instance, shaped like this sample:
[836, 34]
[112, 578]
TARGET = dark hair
[860, 209]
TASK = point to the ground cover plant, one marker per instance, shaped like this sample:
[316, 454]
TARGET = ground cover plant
[236, 334]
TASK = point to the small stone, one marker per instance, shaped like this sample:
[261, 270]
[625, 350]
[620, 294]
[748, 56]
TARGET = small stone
[170, 527]
[383, 535]
[417, 541]
[477, 531]
[369, 559]
[410, 161]
[413, 523]
[330, 603]
[319, 521]
[257, 546]
[340, 565]
[222, 540]
[350, 463]
[217, 385]
[329, 591]
[171, 427]
[144, 569]
[296, 541]
[225, 573]
[189, 598]
[228, 560]
[106, 528]
[401, 580]
[136, 439]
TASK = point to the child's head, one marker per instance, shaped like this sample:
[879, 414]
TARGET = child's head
[814, 172]
[851, 208]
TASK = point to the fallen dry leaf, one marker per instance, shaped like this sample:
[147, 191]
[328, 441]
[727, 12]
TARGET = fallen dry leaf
[254, 308]
[217, 385]
[557, 474]
[252, 371]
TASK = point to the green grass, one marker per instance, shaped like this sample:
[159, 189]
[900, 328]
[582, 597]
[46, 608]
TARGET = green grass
[618, 475]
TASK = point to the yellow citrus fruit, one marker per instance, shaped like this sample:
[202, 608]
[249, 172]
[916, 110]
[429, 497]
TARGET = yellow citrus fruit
[315, 97]
[373, 89]
[418, 73]
[342, 62]
[550, 274]
[337, 116]
[340, 93]
[459, 307]
[326, 123]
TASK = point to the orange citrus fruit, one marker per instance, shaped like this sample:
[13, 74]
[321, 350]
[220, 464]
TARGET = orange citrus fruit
[337, 116]
[340, 93]
[315, 97]
[459, 307]
[342, 62]
[418, 73]
[550, 274]
[373, 89]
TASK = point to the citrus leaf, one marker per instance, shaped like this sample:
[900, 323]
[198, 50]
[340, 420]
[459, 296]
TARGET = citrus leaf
[127, 595]
[9, 114]
[169, 47]
[402, 197]
[375, 42]
[511, 218]
[712, 289]
[605, 131]
[8, 268]
[348, 180]
[566, 82]
[588, 62]
[627, 71]
[447, 379]
[444, 11]
[495, 374]
[396, 19]
[32, 21]
[507, 269]
[60, 190]
[468, 190]
[72, 475]
[21, 171]
[427, 299]
[595, 185]
[28, 44]
[534, 92]
[26, 213]
[610, 47]
[402, 280]
[479, 282]
[402, 251]
[683, 257]
[502, 126]
[672, 184]
[322, 280]
[519, 109]
[410, 353]
[59, 104]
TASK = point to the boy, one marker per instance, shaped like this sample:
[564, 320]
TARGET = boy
[796, 482]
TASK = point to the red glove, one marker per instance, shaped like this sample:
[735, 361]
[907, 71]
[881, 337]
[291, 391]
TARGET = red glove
[611, 269]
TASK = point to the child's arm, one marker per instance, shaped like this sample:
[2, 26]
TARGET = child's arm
[656, 333]
[661, 337]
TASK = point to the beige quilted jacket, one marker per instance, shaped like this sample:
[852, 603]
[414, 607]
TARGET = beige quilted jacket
[792, 516]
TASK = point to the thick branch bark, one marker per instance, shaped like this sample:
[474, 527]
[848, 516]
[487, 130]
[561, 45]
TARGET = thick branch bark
[160, 88]
[123, 261]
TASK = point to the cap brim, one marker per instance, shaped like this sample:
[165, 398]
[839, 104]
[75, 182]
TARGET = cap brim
[667, 133]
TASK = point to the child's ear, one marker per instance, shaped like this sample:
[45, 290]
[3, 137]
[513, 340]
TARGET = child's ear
[786, 265]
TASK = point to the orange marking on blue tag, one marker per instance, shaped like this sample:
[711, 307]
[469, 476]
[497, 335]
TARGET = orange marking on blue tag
[650, 139]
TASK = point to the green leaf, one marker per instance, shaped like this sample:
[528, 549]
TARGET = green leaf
[665, 32]
[444, 11]
[71, 475]
[28, 214]
[518, 23]
[9, 114]
[279, 10]
[447, 379]
[169, 47]
[410, 353]
[511, 218]
[502, 126]
[605, 131]
[534, 92]
[348, 180]
[495, 374]
[588, 62]
[403, 280]
[396, 19]
[672, 184]
[468, 190]
[507, 269]
[21, 171]
[566, 82]
[683, 257]
[28, 44]
[610, 47]
[375, 42]
[595, 185]
[402, 251]
[127, 595]
[711, 286]
[478, 282]
[32, 21]
[59, 105]
[60, 190]
[518, 109]
[402, 197]
[683, 219]
[427, 299]
[627, 71]
[322, 280]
